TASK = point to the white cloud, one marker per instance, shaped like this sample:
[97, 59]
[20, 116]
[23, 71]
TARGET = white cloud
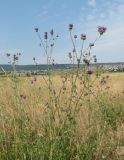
[90, 17]
[92, 2]
[110, 14]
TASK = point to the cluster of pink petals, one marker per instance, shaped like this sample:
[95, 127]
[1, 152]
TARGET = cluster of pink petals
[89, 70]
[102, 29]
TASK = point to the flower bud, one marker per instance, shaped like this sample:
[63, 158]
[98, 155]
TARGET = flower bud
[36, 29]
[86, 61]
[51, 32]
[91, 44]
[8, 54]
[52, 45]
[45, 35]
[69, 55]
[75, 36]
[83, 36]
[70, 26]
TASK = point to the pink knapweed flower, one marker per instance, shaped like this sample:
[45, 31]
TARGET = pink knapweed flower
[102, 29]
[89, 70]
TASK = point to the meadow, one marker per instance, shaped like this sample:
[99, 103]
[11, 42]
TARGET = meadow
[62, 121]
[72, 114]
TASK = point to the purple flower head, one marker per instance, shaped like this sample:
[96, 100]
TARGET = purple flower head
[8, 54]
[89, 70]
[70, 26]
[102, 29]
[36, 29]
[83, 36]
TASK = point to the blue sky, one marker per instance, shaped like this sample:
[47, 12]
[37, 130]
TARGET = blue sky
[18, 18]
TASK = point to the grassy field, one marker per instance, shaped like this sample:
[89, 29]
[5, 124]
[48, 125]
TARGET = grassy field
[62, 117]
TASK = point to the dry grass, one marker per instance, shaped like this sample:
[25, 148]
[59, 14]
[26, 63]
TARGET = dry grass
[32, 109]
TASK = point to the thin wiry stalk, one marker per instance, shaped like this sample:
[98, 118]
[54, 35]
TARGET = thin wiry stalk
[42, 43]
[74, 48]
[83, 52]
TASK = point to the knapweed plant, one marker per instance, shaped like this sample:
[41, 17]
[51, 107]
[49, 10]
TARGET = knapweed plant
[13, 59]
[47, 43]
[72, 115]
[84, 55]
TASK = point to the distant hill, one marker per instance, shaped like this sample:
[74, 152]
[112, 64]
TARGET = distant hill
[33, 67]
[44, 67]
